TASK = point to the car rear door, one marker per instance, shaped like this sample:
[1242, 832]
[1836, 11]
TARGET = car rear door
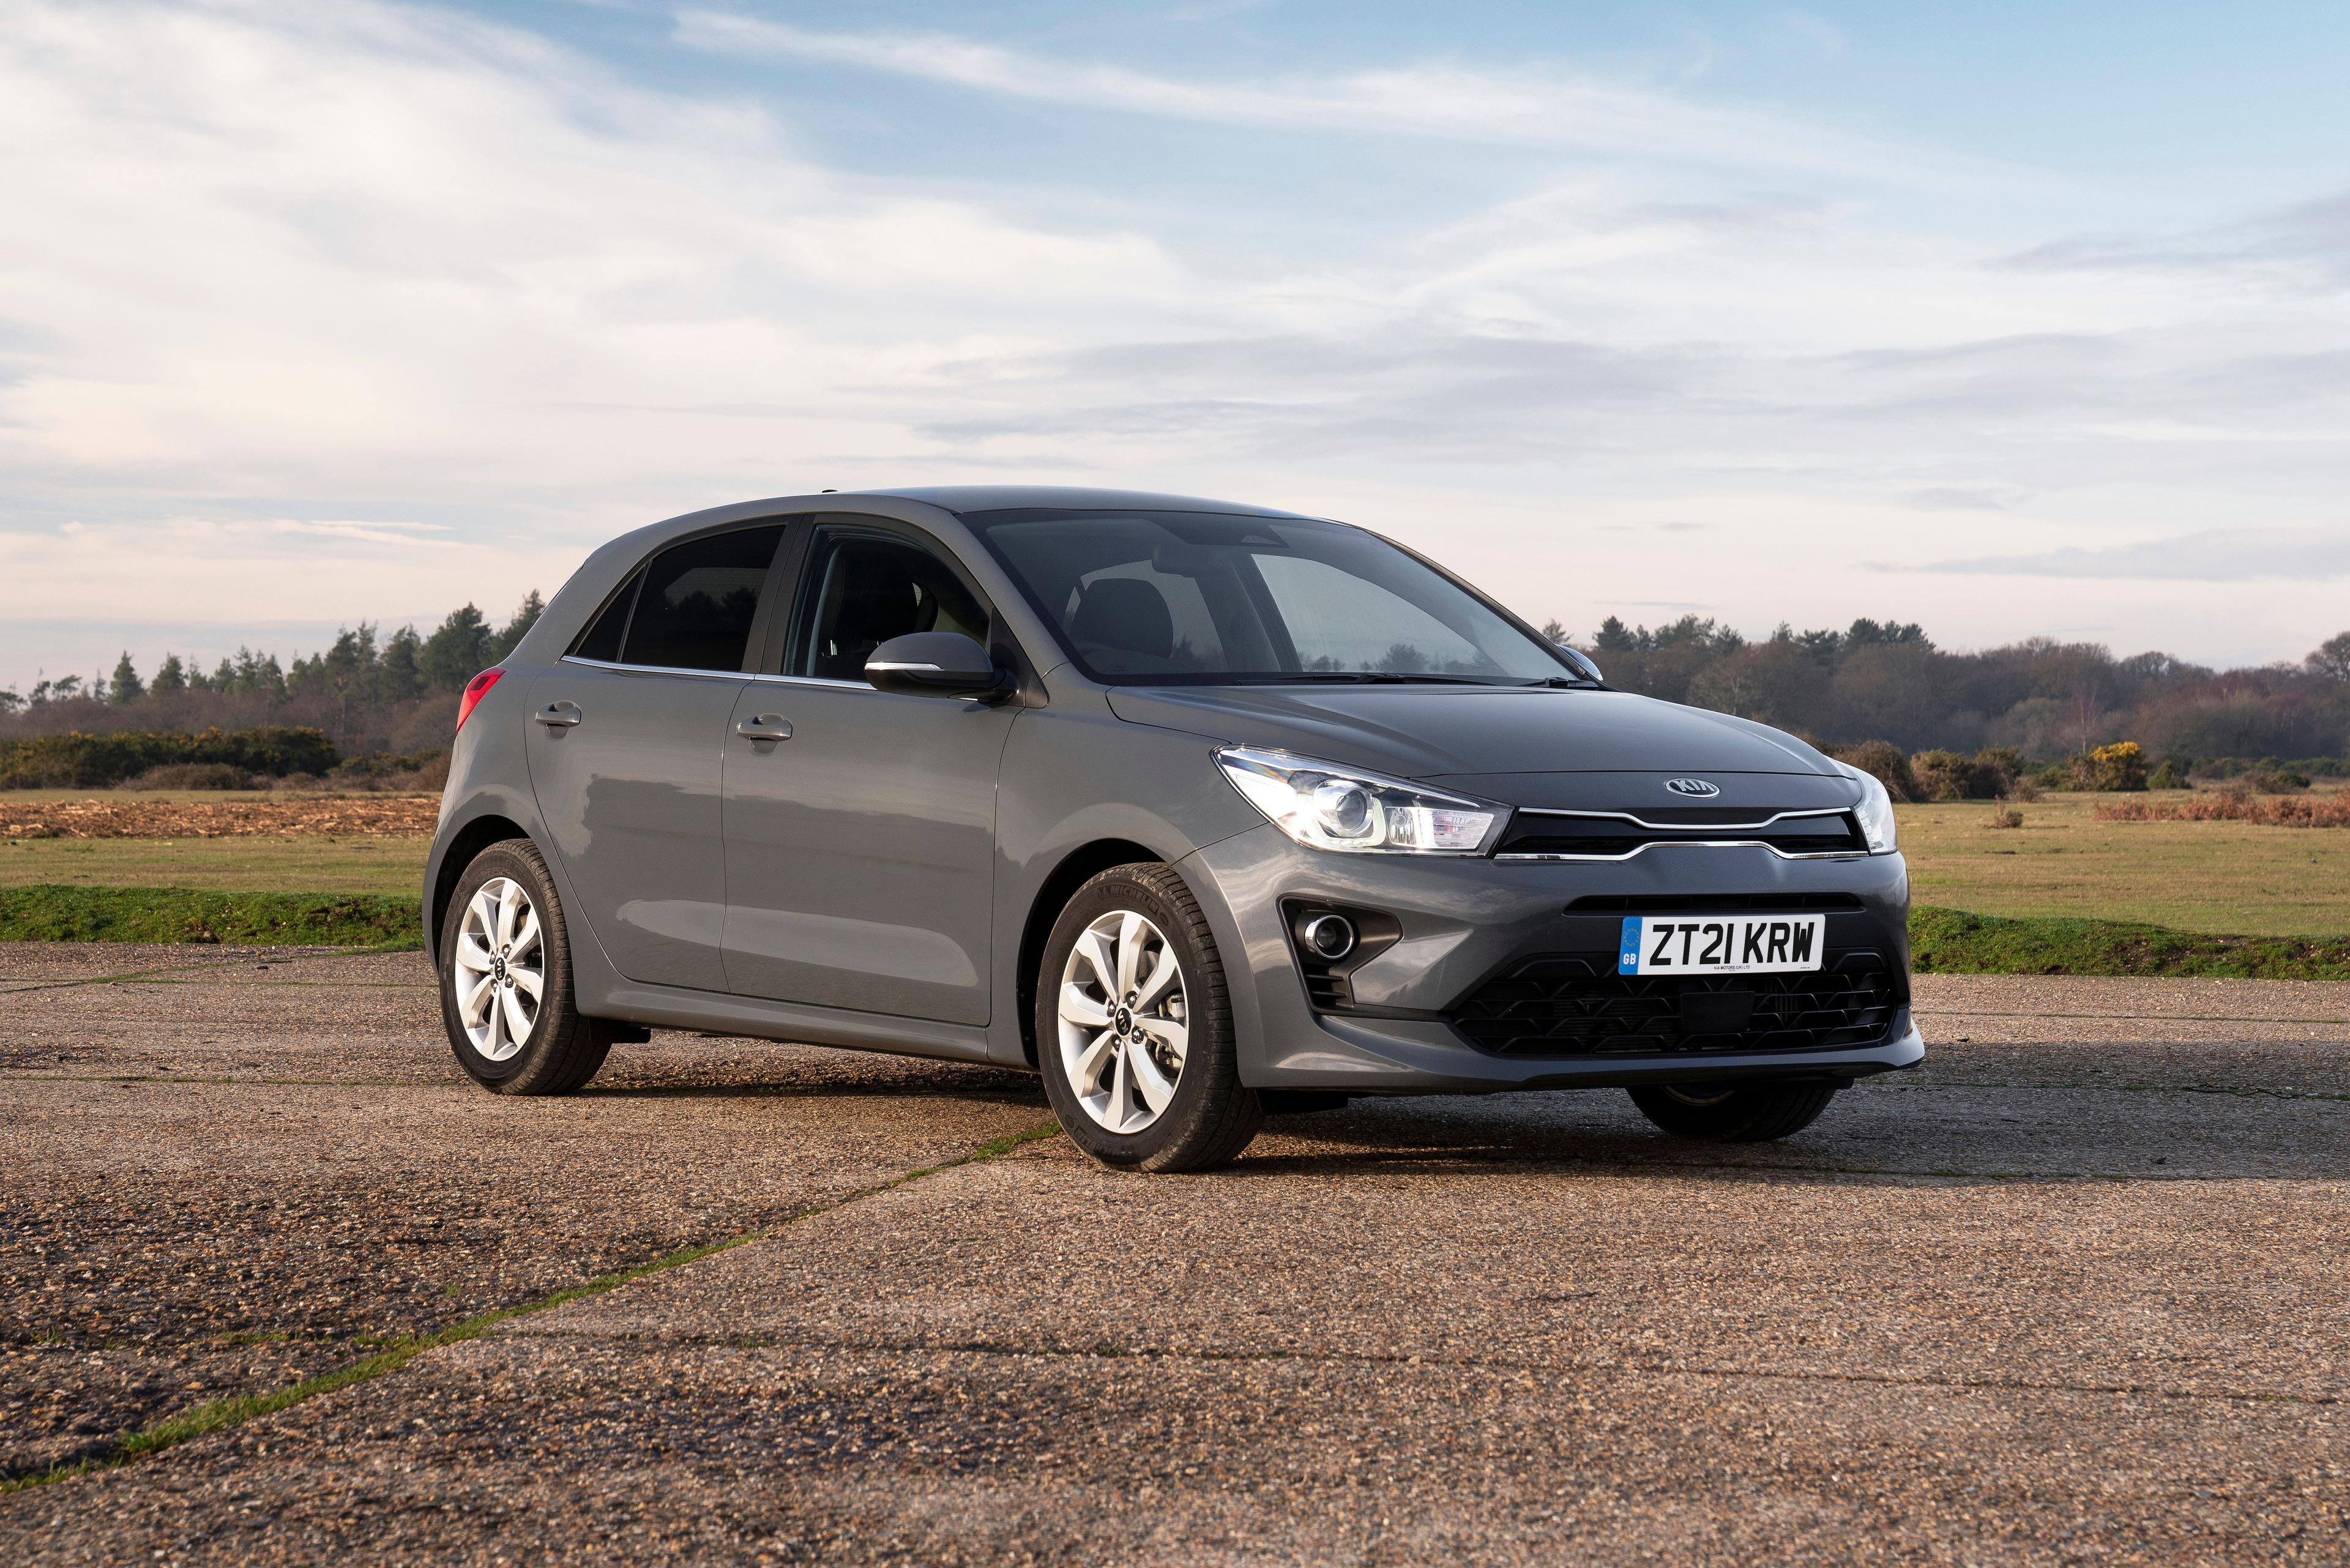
[860, 824]
[628, 744]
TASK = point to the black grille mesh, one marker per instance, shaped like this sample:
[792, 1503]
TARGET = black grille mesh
[1575, 1004]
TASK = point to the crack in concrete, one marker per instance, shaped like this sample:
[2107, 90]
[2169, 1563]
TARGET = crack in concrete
[221, 1415]
[1468, 1363]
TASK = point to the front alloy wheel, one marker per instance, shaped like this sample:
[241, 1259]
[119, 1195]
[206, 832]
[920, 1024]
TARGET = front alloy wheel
[1123, 1021]
[1134, 1027]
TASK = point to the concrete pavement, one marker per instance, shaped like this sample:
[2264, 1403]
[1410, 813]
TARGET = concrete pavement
[2074, 1292]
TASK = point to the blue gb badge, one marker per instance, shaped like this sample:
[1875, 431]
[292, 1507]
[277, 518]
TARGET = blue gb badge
[1628, 955]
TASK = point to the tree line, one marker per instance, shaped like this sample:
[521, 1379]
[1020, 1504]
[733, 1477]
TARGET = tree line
[367, 692]
[2045, 700]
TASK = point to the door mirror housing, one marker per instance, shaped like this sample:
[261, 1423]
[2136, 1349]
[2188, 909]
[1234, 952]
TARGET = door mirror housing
[1582, 661]
[935, 664]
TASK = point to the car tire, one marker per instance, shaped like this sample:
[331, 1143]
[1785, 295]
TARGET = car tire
[1107, 1049]
[1732, 1113]
[507, 1041]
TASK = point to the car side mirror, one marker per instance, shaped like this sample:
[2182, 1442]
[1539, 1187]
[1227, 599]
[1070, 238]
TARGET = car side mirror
[935, 664]
[1582, 661]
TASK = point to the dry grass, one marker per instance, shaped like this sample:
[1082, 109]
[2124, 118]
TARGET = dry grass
[2221, 876]
[214, 814]
[2234, 806]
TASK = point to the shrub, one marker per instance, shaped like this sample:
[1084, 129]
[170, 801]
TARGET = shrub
[1941, 775]
[2166, 775]
[2275, 780]
[2120, 767]
[2236, 804]
[2008, 818]
[1885, 762]
[191, 775]
[76, 760]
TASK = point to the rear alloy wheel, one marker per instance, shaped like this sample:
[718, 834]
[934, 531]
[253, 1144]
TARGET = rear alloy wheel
[1134, 1027]
[506, 980]
[1733, 1113]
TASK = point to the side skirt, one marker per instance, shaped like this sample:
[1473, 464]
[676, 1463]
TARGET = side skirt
[677, 1007]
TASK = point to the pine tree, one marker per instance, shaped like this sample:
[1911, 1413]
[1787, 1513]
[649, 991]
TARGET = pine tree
[126, 687]
[397, 676]
[169, 676]
[525, 618]
[456, 651]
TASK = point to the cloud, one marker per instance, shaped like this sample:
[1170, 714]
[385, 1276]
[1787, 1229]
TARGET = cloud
[1529, 107]
[2214, 555]
[363, 307]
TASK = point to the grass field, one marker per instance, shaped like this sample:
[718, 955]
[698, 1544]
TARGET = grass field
[308, 865]
[2210, 876]
[2092, 897]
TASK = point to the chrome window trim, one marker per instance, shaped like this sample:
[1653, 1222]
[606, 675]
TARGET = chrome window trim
[714, 674]
[820, 681]
[1843, 811]
[653, 669]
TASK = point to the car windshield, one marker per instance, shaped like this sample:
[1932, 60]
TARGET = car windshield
[1154, 597]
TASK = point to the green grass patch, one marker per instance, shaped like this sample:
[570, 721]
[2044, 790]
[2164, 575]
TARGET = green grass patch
[2222, 877]
[314, 863]
[1953, 941]
[49, 912]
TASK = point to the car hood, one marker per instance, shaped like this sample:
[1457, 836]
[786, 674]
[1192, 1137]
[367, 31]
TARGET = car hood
[1518, 745]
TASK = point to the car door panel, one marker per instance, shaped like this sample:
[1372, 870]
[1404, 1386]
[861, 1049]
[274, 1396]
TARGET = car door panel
[630, 794]
[628, 751]
[860, 851]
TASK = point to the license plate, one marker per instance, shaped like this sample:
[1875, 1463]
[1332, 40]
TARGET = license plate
[1720, 944]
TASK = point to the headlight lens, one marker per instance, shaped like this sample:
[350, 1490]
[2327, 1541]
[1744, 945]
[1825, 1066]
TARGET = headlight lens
[1330, 807]
[1874, 811]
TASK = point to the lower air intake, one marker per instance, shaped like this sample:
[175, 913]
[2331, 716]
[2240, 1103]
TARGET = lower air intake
[1575, 1004]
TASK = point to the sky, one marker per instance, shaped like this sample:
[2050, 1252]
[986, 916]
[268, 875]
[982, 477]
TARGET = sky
[2012, 320]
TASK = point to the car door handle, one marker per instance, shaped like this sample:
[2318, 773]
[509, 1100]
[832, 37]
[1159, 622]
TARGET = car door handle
[560, 715]
[765, 727]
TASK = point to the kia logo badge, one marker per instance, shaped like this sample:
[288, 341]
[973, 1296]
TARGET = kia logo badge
[1697, 788]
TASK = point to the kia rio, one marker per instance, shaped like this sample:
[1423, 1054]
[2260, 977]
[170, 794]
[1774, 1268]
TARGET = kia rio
[1200, 811]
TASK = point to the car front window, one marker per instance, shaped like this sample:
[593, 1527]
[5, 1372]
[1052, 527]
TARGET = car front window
[1205, 598]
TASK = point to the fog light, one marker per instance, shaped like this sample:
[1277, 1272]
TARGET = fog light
[1330, 936]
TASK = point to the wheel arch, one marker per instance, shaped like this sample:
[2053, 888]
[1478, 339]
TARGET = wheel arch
[464, 845]
[1079, 867]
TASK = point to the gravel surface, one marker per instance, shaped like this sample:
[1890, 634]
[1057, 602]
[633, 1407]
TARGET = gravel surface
[2072, 1293]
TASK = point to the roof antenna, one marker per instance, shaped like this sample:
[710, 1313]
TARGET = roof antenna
[827, 493]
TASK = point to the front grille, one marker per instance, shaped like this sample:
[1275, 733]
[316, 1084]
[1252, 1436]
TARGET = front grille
[1575, 1004]
[1599, 837]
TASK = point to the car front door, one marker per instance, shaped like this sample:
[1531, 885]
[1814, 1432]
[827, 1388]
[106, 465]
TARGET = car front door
[860, 824]
[628, 745]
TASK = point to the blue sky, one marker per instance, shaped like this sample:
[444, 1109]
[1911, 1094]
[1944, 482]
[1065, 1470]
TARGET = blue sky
[2010, 320]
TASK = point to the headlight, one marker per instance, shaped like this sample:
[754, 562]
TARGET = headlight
[1330, 807]
[1874, 811]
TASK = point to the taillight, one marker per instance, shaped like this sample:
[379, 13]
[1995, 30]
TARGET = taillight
[475, 690]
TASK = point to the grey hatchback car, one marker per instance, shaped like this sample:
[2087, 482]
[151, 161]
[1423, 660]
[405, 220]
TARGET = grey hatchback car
[1200, 811]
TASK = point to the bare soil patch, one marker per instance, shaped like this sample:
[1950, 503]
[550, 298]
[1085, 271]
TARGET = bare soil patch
[368, 816]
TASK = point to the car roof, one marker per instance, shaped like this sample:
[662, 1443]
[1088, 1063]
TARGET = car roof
[960, 498]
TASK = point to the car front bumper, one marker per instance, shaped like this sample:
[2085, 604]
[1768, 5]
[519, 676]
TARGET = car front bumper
[1464, 920]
